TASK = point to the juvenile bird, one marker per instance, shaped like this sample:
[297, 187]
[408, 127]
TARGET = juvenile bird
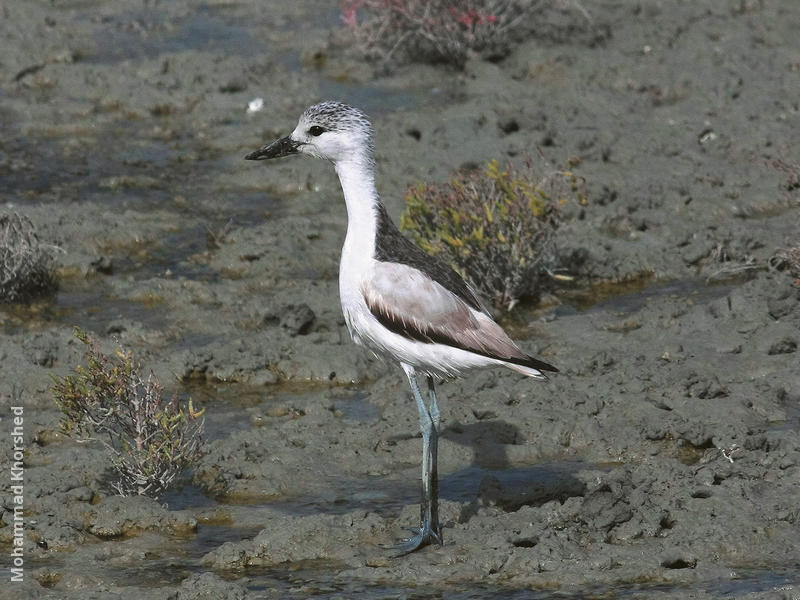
[399, 302]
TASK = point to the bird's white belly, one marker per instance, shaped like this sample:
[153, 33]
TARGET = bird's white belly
[367, 331]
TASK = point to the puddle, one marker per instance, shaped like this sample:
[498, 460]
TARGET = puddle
[387, 496]
[696, 289]
[323, 580]
[302, 583]
[236, 407]
[85, 304]
[226, 407]
[82, 307]
[748, 581]
[620, 299]
[356, 406]
[185, 497]
[632, 296]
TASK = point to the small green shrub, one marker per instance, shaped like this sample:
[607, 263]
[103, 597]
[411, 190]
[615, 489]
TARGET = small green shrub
[149, 440]
[26, 265]
[495, 227]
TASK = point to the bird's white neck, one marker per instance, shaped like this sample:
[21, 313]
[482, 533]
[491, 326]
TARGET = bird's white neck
[358, 184]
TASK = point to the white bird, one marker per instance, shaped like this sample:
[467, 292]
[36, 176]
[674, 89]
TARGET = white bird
[398, 301]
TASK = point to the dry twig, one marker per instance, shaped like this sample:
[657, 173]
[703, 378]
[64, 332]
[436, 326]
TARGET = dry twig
[26, 265]
[787, 259]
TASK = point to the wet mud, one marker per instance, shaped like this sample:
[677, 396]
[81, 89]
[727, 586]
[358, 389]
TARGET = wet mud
[662, 461]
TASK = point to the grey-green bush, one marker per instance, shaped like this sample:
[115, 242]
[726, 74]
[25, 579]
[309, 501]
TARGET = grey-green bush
[150, 439]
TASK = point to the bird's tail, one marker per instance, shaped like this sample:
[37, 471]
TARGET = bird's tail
[533, 367]
[529, 371]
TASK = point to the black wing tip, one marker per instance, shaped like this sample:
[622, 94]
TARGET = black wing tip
[541, 365]
[528, 361]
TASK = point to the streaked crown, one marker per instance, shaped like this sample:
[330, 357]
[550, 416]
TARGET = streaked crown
[335, 131]
[337, 116]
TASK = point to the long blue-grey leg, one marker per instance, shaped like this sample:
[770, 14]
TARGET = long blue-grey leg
[432, 515]
[429, 418]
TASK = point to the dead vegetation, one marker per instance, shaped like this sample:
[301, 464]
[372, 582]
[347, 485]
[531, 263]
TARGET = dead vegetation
[787, 259]
[439, 31]
[731, 260]
[26, 265]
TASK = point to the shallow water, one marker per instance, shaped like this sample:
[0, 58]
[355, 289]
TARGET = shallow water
[323, 580]
[631, 296]
[528, 485]
[521, 485]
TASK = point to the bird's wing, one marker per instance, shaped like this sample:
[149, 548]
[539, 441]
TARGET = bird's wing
[393, 247]
[408, 302]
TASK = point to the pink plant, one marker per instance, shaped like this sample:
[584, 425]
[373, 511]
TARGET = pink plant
[350, 12]
[472, 17]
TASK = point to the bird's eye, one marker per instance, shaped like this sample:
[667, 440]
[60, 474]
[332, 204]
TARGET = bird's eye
[316, 130]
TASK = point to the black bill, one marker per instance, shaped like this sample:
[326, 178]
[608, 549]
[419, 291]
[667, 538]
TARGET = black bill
[282, 147]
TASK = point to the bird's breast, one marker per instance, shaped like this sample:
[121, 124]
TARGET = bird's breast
[355, 267]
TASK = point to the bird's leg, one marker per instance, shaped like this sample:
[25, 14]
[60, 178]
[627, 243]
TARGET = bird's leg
[429, 530]
[429, 419]
[432, 514]
[436, 416]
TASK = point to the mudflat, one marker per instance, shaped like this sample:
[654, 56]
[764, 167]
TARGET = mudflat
[662, 461]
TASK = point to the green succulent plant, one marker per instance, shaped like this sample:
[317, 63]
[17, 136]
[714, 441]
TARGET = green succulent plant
[496, 226]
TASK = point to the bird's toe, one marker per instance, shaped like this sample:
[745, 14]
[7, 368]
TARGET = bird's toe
[423, 536]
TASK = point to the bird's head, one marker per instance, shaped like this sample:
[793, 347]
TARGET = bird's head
[330, 130]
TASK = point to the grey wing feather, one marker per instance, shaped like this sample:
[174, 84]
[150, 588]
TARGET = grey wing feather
[409, 303]
[393, 247]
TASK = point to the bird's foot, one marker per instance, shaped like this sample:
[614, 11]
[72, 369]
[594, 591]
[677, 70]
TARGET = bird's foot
[424, 535]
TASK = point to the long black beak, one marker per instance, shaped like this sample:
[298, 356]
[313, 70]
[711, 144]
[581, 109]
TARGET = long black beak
[282, 147]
